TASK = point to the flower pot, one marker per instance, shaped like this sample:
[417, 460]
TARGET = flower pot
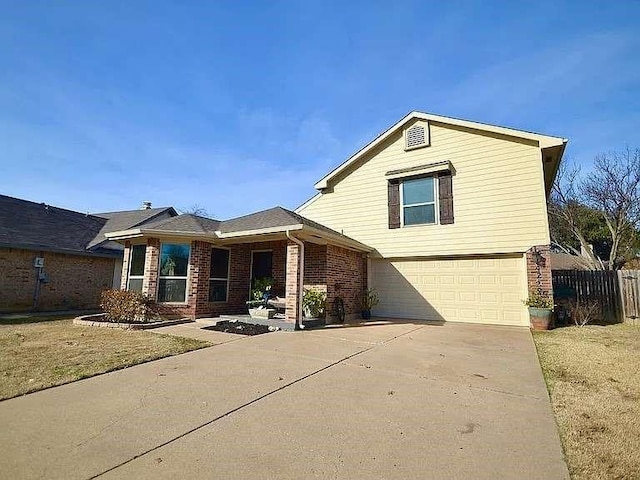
[540, 318]
[366, 314]
[262, 313]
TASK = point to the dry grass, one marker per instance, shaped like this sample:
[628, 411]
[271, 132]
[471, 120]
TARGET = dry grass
[42, 352]
[593, 375]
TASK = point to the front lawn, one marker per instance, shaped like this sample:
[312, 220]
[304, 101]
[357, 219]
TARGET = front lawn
[42, 352]
[593, 376]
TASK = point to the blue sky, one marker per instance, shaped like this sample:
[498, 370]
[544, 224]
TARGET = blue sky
[239, 106]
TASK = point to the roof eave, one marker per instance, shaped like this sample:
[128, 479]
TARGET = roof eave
[336, 238]
[259, 231]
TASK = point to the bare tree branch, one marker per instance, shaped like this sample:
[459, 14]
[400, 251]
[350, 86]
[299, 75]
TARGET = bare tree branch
[613, 188]
[565, 204]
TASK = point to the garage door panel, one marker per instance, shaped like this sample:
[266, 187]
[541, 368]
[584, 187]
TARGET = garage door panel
[486, 290]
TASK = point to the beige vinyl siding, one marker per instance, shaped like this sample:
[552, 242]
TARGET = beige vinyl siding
[473, 289]
[498, 196]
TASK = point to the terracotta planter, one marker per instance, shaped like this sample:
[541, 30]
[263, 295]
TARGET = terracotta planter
[540, 318]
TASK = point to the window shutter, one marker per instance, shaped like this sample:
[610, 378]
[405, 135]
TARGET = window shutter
[446, 198]
[394, 203]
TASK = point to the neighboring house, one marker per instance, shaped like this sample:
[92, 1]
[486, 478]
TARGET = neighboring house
[57, 259]
[445, 218]
[455, 212]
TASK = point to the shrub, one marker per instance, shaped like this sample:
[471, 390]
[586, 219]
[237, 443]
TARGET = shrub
[314, 303]
[369, 299]
[584, 311]
[539, 300]
[121, 306]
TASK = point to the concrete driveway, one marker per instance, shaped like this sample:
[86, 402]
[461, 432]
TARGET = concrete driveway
[392, 400]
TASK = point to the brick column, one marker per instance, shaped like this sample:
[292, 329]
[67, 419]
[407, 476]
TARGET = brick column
[199, 270]
[150, 281]
[539, 270]
[125, 265]
[293, 266]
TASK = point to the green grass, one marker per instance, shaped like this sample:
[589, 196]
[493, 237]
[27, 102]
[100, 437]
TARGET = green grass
[41, 352]
[593, 376]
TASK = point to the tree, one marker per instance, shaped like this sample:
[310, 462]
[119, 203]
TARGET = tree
[196, 209]
[566, 212]
[602, 209]
[613, 188]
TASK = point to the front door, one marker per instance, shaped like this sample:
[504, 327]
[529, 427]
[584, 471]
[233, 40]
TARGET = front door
[261, 265]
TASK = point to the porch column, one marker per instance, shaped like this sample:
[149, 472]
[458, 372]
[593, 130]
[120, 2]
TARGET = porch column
[125, 265]
[199, 278]
[293, 282]
[150, 280]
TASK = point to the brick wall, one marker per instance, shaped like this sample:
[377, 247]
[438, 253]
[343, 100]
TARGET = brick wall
[539, 274]
[198, 305]
[346, 278]
[315, 266]
[75, 281]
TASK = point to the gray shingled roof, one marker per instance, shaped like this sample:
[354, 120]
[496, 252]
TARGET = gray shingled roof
[271, 218]
[125, 220]
[25, 224]
[38, 226]
[186, 222]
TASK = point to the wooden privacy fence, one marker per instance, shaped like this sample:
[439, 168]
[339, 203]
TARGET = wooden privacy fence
[617, 291]
[630, 291]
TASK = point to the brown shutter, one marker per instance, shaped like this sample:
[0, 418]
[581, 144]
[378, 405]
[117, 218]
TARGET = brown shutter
[446, 198]
[394, 204]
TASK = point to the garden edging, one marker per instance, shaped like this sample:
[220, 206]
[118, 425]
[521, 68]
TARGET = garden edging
[96, 320]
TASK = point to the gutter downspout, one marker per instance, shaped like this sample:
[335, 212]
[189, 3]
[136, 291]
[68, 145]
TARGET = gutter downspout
[299, 325]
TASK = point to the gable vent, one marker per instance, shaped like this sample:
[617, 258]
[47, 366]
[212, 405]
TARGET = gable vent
[416, 136]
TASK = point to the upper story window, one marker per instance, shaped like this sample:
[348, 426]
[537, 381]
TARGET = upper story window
[172, 275]
[219, 275]
[418, 201]
[136, 268]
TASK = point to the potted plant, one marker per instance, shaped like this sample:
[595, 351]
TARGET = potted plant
[540, 309]
[260, 293]
[314, 303]
[369, 300]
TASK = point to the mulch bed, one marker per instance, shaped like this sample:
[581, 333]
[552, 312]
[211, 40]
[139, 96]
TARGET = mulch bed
[241, 328]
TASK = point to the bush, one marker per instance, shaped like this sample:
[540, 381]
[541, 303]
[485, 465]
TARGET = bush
[314, 303]
[121, 306]
[369, 299]
[584, 311]
[539, 300]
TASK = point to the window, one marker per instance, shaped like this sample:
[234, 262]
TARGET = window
[418, 201]
[136, 268]
[219, 276]
[174, 264]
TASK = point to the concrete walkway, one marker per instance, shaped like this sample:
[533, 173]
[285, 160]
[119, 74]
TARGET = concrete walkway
[398, 400]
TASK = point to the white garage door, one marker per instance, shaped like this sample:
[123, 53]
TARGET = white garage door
[480, 290]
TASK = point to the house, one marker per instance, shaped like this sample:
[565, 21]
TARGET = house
[57, 259]
[445, 218]
[455, 212]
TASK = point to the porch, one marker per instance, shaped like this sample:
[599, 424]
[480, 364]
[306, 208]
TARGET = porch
[213, 274]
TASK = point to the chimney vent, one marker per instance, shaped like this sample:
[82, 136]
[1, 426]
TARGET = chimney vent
[146, 205]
